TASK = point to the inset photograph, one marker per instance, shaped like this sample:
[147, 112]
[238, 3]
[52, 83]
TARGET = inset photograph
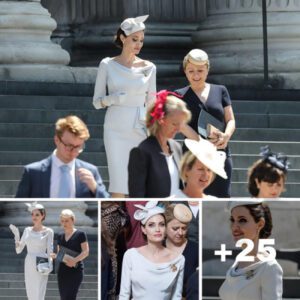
[149, 250]
[49, 250]
[251, 249]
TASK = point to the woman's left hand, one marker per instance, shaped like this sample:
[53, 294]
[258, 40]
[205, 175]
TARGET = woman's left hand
[70, 262]
[222, 141]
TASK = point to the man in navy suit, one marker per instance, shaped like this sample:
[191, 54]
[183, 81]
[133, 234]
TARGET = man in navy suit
[45, 178]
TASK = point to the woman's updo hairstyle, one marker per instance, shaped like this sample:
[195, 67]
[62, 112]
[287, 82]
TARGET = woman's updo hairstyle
[258, 211]
[117, 38]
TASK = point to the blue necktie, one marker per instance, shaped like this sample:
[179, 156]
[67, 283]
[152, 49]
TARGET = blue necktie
[65, 182]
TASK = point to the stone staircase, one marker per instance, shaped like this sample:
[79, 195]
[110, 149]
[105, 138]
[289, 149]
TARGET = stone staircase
[27, 127]
[259, 123]
[12, 286]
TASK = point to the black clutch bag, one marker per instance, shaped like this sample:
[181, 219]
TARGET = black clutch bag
[206, 122]
[61, 256]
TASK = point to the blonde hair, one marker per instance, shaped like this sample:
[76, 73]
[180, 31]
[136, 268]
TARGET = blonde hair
[67, 213]
[74, 125]
[186, 164]
[188, 59]
[171, 105]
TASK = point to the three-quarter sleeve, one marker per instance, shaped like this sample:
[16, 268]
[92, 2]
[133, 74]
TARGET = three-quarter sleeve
[271, 283]
[100, 86]
[125, 289]
[50, 239]
[22, 242]
[151, 93]
[177, 292]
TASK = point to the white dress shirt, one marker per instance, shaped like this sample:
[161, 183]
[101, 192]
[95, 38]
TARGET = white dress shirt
[56, 176]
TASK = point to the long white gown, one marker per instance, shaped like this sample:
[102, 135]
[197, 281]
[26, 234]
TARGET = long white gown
[124, 126]
[38, 244]
[143, 279]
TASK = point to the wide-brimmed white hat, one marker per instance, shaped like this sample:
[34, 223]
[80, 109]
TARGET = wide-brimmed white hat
[208, 154]
[132, 25]
[146, 212]
[33, 206]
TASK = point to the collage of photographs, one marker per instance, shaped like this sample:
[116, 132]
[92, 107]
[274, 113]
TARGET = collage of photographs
[149, 150]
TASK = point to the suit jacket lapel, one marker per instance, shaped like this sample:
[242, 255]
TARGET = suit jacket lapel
[161, 160]
[175, 154]
[46, 176]
[79, 185]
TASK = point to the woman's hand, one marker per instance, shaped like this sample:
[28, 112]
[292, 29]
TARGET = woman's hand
[70, 262]
[53, 255]
[222, 140]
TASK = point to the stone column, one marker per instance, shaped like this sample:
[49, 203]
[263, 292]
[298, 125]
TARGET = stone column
[232, 36]
[26, 28]
[16, 213]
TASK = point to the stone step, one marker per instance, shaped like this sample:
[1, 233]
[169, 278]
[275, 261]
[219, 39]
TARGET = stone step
[52, 277]
[8, 188]
[253, 147]
[51, 285]
[266, 134]
[266, 107]
[243, 120]
[239, 189]
[79, 297]
[12, 269]
[14, 172]
[42, 116]
[246, 160]
[267, 121]
[36, 130]
[43, 144]
[46, 102]
[23, 158]
[50, 292]
[240, 174]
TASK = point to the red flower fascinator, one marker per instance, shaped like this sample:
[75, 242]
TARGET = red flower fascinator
[159, 108]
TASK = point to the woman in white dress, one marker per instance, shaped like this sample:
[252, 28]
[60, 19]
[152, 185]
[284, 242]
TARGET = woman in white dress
[152, 271]
[199, 167]
[261, 279]
[39, 242]
[125, 84]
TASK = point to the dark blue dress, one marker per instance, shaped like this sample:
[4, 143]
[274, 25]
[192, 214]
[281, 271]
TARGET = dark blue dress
[69, 279]
[191, 255]
[218, 99]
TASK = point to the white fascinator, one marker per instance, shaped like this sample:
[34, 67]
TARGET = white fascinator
[232, 204]
[132, 25]
[145, 212]
[33, 206]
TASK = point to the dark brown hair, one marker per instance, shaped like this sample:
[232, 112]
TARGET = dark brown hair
[117, 38]
[263, 171]
[258, 211]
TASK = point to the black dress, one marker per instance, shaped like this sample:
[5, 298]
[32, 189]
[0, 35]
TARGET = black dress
[218, 99]
[69, 279]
